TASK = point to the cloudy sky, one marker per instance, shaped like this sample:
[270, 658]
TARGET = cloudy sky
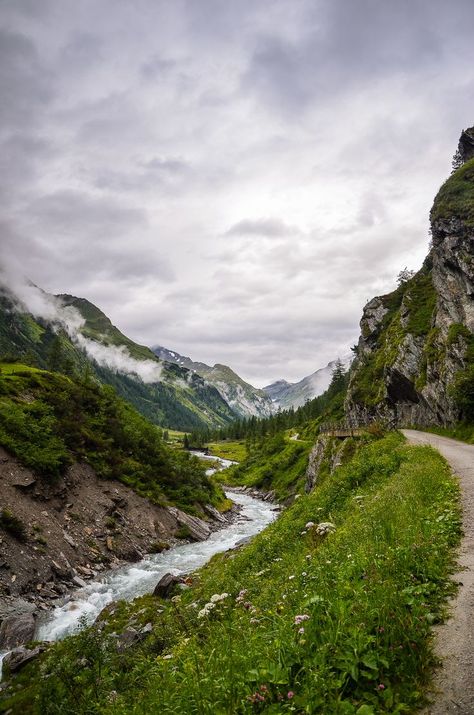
[232, 179]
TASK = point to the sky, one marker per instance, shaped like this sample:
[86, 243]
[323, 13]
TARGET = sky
[230, 179]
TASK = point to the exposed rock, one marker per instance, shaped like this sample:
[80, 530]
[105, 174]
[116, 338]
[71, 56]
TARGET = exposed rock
[16, 607]
[466, 144]
[405, 371]
[78, 581]
[125, 549]
[69, 540]
[166, 584]
[198, 529]
[316, 457]
[62, 571]
[212, 511]
[19, 657]
[16, 630]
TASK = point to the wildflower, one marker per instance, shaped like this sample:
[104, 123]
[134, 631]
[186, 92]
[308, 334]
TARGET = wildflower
[380, 686]
[290, 694]
[254, 621]
[300, 618]
[301, 630]
[290, 578]
[304, 573]
[325, 528]
[216, 597]
[241, 595]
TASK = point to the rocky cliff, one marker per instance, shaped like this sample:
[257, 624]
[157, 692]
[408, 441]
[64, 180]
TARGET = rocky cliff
[415, 356]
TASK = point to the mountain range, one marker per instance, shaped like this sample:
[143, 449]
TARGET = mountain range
[169, 389]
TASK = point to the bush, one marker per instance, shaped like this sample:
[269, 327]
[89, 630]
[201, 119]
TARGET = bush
[13, 525]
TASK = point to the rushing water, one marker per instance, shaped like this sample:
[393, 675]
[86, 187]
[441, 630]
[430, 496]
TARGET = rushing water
[132, 581]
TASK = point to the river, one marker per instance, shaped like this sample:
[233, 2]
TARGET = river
[132, 581]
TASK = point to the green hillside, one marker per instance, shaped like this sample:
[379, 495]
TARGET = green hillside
[48, 420]
[181, 400]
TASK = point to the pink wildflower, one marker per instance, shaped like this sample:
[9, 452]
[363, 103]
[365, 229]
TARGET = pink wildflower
[290, 694]
[380, 686]
[299, 619]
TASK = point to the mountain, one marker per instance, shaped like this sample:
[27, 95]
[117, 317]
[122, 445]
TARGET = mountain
[76, 336]
[294, 394]
[245, 400]
[415, 356]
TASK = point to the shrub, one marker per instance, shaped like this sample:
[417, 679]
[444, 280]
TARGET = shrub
[13, 525]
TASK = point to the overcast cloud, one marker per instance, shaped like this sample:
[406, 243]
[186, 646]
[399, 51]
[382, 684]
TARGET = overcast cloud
[232, 180]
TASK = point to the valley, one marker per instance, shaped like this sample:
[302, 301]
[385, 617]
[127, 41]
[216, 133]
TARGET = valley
[328, 608]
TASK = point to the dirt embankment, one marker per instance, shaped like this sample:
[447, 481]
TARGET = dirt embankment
[76, 528]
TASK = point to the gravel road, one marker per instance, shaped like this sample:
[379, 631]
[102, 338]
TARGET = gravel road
[453, 688]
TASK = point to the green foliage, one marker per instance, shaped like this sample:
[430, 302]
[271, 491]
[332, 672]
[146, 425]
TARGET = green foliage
[420, 301]
[463, 393]
[276, 464]
[181, 400]
[48, 420]
[13, 525]
[455, 199]
[336, 624]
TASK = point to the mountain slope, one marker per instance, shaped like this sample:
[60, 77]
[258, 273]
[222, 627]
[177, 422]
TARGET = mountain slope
[79, 337]
[245, 400]
[415, 356]
[294, 394]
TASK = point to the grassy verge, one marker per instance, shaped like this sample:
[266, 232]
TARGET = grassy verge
[276, 464]
[462, 431]
[302, 622]
[236, 451]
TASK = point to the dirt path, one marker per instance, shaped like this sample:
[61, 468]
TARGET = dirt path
[453, 690]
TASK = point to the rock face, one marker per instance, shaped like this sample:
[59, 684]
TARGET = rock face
[417, 342]
[16, 630]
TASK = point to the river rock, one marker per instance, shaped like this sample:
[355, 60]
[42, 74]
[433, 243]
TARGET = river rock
[212, 511]
[61, 570]
[16, 630]
[198, 529]
[16, 607]
[19, 657]
[166, 584]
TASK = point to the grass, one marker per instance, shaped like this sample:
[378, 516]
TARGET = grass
[277, 464]
[463, 431]
[236, 451]
[456, 197]
[311, 624]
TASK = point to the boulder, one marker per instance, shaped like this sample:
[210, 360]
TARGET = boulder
[166, 584]
[212, 511]
[19, 657]
[16, 630]
[198, 529]
[61, 570]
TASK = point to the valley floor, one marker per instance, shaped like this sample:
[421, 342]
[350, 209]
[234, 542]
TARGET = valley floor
[453, 690]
